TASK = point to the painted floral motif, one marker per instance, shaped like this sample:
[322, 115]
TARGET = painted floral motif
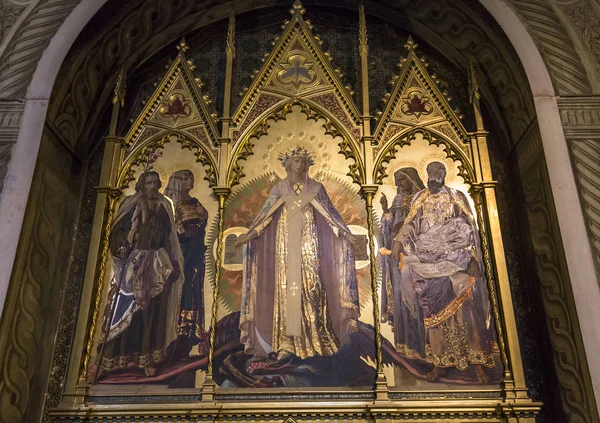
[417, 105]
[176, 107]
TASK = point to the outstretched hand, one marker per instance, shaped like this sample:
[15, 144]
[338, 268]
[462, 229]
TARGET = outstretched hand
[397, 250]
[384, 203]
[244, 239]
[239, 242]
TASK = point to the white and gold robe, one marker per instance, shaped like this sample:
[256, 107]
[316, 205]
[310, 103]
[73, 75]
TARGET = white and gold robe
[299, 292]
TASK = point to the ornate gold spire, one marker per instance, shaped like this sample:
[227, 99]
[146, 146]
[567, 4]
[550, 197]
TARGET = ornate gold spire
[182, 47]
[362, 29]
[297, 9]
[120, 87]
[410, 44]
[474, 96]
[230, 49]
[118, 102]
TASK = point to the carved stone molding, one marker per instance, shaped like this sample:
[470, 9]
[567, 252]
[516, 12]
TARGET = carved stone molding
[5, 152]
[580, 117]
[581, 124]
[20, 54]
[586, 156]
[564, 64]
[529, 150]
[583, 14]
[33, 301]
[559, 306]
[10, 121]
[9, 13]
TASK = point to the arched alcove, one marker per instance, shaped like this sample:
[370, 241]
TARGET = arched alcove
[560, 174]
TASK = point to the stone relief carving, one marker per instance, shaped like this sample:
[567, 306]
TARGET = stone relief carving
[586, 156]
[561, 318]
[584, 17]
[8, 16]
[564, 64]
[37, 272]
[10, 120]
[21, 53]
[580, 117]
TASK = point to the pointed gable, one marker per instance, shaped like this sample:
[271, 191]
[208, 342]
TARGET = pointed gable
[177, 105]
[297, 69]
[417, 102]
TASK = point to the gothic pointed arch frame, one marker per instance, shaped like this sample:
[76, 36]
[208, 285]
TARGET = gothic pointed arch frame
[389, 150]
[414, 105]
[177, 110]
[299, 73]
[312, 111]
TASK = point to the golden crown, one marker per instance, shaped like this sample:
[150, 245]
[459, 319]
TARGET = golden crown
[296, 152]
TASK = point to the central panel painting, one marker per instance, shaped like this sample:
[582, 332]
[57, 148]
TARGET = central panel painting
[296, 265]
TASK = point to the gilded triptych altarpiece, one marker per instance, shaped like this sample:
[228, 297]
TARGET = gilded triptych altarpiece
[297, 257]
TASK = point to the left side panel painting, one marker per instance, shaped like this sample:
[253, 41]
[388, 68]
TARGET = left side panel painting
[157, 296]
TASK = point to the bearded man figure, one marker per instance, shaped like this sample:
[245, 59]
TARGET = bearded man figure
[141, 315]
[440, 245]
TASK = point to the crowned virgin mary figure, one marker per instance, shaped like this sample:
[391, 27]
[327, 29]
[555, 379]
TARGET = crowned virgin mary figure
[299, 292]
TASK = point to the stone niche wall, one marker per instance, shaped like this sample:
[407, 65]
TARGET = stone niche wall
[48, 272]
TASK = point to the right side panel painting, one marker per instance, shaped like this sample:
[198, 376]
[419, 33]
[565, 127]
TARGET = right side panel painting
[437, 319]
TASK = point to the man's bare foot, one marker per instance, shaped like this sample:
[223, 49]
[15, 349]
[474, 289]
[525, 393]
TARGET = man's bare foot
[150, 371]
[482, 376]
[433, 375]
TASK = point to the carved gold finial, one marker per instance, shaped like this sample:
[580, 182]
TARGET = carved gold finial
[120, 87]
[474, 96]
[182, 47]
[410, 44]
[297, 9]
[473, 84]
[362, 25]
[230, 49]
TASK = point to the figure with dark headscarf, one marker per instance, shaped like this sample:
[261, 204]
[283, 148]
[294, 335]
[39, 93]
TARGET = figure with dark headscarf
[440, 249]
[406, 323]
[190, 223]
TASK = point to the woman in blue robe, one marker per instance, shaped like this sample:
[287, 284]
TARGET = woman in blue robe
[190, 223]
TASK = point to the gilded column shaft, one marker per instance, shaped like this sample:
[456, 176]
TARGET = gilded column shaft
[381, 391]
[93, 286]
[95, 268]
[209, 385]
[213, 324]
[489, 273]
[497, 246]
